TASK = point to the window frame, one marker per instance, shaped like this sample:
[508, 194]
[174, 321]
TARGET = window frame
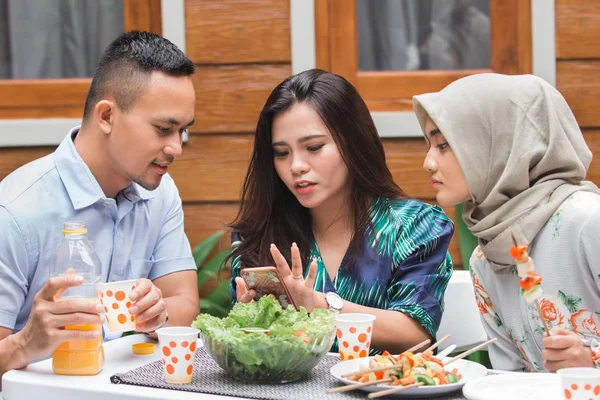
[40, 112]
[393, 116]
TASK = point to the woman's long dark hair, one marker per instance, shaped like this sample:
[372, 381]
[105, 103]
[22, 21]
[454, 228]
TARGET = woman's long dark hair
[269, 212]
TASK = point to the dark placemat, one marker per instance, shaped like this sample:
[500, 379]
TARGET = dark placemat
[210, 378]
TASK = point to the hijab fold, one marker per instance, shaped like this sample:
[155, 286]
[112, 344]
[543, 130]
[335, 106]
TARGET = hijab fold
[520, 149]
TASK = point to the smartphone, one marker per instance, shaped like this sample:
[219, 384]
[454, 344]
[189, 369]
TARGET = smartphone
[265, 281]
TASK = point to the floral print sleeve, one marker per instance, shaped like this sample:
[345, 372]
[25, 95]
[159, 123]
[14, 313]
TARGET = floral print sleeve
[567, 256]
[589, 240]
[507, 352]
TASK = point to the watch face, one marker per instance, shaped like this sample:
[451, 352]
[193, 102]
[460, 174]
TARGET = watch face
[334, 300]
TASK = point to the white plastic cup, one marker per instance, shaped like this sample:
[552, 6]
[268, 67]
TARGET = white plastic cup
[116, 302]
[178, 350]
[354, 333]
[580, 383]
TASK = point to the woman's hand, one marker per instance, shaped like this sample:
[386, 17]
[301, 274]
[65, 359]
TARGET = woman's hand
[301, 290]
[563, 349]
[242, 293]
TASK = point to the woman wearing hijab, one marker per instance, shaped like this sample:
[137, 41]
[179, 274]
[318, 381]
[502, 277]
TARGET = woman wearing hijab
[510, 148]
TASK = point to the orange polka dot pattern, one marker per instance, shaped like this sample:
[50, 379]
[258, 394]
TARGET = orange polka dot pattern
[116, 305]
[587, 391]
[354, 342]
[178, 368]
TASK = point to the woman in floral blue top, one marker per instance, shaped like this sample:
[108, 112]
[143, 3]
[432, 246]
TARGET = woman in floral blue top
[319, 197]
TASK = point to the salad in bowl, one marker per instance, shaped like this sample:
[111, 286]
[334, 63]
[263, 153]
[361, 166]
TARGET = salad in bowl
[262, 342]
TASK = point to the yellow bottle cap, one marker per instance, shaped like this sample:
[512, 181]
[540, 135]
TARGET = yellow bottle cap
[143, 348]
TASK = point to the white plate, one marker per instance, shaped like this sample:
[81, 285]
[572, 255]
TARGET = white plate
[522, 386]
[468, 369]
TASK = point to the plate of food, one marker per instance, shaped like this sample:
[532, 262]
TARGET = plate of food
[407, 370]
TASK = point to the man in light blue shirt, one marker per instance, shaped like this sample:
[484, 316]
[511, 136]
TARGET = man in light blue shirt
[111, 173]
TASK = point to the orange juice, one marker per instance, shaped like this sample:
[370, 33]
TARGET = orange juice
[79, 357]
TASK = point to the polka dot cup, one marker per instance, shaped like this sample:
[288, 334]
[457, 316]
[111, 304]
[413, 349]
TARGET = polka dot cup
[354, 333]
[580, 383]
[116, 302]
[178, 349]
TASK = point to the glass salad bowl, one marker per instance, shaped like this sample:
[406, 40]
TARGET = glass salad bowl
[267, 344]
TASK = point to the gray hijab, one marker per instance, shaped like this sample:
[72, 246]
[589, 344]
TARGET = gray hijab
[520, 149]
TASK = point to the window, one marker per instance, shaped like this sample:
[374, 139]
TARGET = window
[411, 35]
[394, 49]
[44, 72]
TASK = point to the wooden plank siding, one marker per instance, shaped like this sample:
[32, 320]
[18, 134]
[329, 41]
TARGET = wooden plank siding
[210, 172]
[229, 98]
[238, 31]
[577, 29]
[579, 82]
[242, 51]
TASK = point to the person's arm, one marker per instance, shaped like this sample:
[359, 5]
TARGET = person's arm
[175, 295]
[504, 353]
[387, 323]
[44, 331]
[563, 348]
[415, 292]
[392, 330]
[170, 289]
[12, 354]
[422, 272]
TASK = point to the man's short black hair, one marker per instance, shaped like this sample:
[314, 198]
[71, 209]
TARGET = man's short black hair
[126, 66]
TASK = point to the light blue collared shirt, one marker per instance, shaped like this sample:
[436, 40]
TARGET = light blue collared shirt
[138, 236]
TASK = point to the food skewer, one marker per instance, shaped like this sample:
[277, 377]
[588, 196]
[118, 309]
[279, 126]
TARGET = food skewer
[367, 370]
[436, 344]
[393, 390]
[396, 365]
[474, 349]
[530, 281]
[359, 385]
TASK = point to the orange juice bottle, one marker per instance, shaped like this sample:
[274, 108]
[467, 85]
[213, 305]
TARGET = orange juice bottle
[75, 255]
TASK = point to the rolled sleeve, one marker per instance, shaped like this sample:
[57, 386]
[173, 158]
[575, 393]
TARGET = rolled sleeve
[420, 281]
[14, 262]
[172, 252]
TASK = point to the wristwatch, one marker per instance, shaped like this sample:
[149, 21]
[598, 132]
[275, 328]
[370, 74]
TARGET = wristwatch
[334, 301]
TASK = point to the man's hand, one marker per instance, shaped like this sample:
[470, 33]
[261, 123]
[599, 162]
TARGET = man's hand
[563, 349]
[149, 309]
[44, 332]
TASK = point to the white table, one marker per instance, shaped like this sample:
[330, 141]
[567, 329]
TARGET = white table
[37, 381]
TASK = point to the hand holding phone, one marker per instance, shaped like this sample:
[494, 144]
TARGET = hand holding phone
[265, 281]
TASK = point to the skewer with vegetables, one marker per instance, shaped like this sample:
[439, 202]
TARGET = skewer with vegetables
[412, 368]
[531, 283]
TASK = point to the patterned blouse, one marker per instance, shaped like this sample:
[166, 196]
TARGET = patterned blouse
[405, 265]
[566, 254]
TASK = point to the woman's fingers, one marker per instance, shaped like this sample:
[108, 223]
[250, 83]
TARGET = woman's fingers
[296, 262]
[282, 265]
[312, 273]
[243, 295]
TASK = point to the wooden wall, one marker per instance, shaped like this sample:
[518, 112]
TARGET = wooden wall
[578, 68]
[242, 50]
